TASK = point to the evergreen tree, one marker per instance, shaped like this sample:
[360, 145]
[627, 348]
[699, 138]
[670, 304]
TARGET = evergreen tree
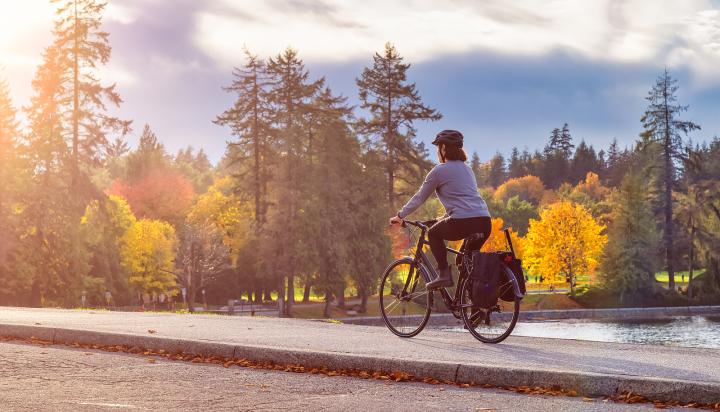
[475, 166]
[327, 222]
[53, 251]
[117, 148]
[629, 265]
[10, 189]
[369, 244]
[498, 174]
[517, 166]
[80, 48]
[702, 175]
[565, 142]
[201, 163]
[394, 106]
[617, 164]
[662, 126]
[584, 160]
[554, 167]
[291, 97]
[555, 141]
[149, 156]
[196, 167]
[613, 154]
[249, 122]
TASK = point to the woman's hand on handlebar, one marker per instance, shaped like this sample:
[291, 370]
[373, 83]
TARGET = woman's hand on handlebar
[395, 220]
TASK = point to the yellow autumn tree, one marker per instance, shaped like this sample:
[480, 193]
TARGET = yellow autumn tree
[148, 253]
[565, 242]
[592, 188]
[229, 215]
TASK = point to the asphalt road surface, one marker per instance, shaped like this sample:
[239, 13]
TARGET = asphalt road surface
[57, 378]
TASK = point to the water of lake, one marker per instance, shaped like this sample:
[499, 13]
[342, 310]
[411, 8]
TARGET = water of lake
[695, 331]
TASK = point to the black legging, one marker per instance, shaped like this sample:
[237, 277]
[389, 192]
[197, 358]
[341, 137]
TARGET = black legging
[456, 229]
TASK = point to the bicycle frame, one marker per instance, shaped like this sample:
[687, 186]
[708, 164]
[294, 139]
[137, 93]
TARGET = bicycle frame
[421, 257]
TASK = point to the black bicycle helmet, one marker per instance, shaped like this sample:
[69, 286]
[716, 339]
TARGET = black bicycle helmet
[449, 137]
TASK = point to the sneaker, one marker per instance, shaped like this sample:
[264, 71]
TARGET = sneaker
[444, 279]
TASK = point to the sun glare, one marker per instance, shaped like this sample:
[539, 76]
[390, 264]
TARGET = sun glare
[23, 24]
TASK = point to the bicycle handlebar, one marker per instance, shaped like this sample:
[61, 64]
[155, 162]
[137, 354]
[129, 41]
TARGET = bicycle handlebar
[425, 225]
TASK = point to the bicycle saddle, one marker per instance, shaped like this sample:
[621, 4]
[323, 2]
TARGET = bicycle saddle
[472, 240]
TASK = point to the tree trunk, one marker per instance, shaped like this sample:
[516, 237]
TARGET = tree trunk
[692, 262]
[35, 295]
[391, 184]
[267, 292]
[669, 176]
[363, 301]
[669, 233]
[326, 309]
[306, 292]
[191, 298]
[281, 297]
[290, 295]
[341, 295]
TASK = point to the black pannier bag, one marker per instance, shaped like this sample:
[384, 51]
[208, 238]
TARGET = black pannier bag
[484, 277]
[515, 265]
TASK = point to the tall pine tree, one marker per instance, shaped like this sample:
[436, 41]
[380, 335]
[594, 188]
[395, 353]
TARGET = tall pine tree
[291, 95]
[497, 172]
[394, 106]
[663, 126]
[248, 119]
[10, 175]
[81, 47]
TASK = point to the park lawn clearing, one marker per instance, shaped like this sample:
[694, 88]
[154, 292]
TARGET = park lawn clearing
[663, 276]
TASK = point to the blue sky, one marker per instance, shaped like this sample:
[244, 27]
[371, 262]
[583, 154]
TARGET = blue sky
[503, 72]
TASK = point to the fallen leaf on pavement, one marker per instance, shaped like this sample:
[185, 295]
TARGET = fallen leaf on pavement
[152, 331]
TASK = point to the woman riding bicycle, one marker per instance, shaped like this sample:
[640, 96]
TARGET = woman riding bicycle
[466, 212]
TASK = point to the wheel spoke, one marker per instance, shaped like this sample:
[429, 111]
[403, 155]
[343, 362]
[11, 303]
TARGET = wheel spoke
[392, 304]
[404, 300]
[493, 324]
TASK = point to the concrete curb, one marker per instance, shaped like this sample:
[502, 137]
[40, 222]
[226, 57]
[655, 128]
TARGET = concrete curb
[592, 384]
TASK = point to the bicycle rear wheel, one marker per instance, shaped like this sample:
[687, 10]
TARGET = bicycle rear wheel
[490, 325]
[405, 303]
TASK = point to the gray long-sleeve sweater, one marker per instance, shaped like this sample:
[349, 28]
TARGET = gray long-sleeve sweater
[455, 185]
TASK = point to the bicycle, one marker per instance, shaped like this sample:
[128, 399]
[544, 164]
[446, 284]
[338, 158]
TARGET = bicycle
[406, 304]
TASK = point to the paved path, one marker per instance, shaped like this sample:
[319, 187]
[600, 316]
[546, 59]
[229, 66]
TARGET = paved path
[62, 379]
[668, 366]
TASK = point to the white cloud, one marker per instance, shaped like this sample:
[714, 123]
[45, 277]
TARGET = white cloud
[606, 30]
[121, 13]
[117, 74]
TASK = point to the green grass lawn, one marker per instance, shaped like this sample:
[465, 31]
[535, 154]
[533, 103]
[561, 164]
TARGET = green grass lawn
[663, 276]
[585, 279]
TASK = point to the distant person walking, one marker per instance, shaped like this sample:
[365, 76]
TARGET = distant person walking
[466, 212]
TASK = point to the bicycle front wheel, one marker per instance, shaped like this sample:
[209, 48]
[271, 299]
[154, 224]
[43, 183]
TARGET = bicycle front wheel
[490, 325]
[405, 303]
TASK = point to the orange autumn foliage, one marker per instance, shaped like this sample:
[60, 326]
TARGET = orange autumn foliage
[162, 194]
[497, 242]
[528, 188]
